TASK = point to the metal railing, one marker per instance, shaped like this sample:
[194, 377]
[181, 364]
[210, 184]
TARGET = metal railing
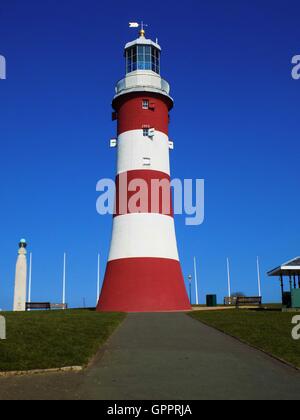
[137, 80]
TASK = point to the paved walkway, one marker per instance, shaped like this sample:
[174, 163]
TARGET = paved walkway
[166, 356]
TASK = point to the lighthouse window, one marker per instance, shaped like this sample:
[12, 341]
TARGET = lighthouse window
[146, 161]
[145, 104]
[143, 57]
[146, 132]
[131, 60]
[155, 60]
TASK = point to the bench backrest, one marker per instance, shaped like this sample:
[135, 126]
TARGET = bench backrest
[62, 306]
[230, 300]
[38, 305]
[253, 300]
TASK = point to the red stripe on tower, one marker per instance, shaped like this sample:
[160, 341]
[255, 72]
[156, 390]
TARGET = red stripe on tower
[143, 272]
[132, 116]
[149, 284]
[142, 191]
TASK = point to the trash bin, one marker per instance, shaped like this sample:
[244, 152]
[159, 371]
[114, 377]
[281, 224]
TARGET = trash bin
[211, 301]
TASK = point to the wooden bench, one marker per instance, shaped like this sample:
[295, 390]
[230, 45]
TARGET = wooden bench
[248, 301]
[38, 306]
[59, 306]
[230, 301]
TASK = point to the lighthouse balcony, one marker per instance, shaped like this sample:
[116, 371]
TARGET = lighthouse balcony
[142, 80]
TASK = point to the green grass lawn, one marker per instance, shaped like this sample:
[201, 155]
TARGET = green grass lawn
[54, 339]
[267, 330]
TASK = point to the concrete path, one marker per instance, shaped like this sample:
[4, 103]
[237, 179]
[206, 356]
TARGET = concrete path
[166, 357]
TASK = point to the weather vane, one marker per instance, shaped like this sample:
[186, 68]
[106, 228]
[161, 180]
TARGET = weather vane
[141, 25]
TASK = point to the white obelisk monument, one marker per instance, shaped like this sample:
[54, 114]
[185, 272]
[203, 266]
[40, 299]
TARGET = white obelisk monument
[21, 278]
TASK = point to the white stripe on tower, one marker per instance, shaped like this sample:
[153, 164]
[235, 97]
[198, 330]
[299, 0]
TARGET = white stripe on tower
[143, 235]
[135, 150]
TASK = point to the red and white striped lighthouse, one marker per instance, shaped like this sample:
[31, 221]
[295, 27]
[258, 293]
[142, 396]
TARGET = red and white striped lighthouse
[143, 272]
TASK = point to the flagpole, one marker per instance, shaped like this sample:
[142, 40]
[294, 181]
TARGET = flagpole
[98, 279]
[30, 278]
[64, 279]
[258, 277]
[229, 279]
[196, 281]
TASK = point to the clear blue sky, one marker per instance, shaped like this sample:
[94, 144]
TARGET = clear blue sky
[235, 124]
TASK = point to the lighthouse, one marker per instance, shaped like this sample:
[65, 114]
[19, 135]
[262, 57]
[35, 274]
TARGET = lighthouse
[143, 272]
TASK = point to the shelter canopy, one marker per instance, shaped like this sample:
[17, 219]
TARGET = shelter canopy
[290, 268]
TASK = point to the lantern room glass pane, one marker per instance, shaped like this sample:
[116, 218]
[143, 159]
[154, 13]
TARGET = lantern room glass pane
[142, 57]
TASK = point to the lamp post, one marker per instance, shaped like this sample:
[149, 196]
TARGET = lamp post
[190, 277]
